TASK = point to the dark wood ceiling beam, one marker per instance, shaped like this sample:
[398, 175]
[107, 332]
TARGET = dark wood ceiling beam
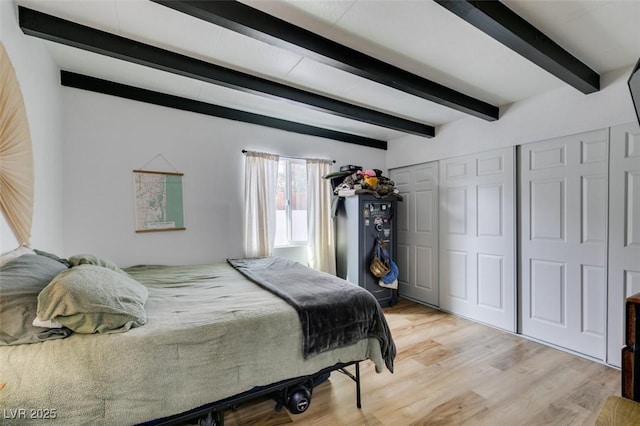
[59, 30]
[93, 84]
[498, 21]
[254, 23]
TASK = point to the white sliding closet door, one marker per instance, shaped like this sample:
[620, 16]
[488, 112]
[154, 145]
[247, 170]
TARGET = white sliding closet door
[563, 241]
[624, 231]
[417, 219]
[477, 237]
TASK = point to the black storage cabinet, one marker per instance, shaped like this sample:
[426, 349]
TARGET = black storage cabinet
[360, 220]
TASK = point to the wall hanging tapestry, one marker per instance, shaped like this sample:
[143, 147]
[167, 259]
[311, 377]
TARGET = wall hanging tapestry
[16, 155]
[159, 205]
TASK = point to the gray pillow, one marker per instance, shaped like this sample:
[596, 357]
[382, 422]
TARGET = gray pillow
[20, 282]
[53, 256]
[91, 259]
[94, 299]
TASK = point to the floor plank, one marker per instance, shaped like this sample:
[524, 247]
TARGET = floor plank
[451, 371]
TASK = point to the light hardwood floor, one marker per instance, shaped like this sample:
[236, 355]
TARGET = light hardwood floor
[452, 371]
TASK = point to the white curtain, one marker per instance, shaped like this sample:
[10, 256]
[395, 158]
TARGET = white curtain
[261, 176]
[321, 243]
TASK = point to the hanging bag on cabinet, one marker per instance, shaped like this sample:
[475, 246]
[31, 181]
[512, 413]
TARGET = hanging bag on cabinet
[378, 267]
[390, 279]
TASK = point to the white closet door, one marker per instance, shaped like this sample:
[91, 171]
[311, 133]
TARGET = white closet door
[563, 241]
[477, 237]
[417, 220]
[624, 231]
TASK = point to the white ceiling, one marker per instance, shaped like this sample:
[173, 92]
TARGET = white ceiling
[419, 36]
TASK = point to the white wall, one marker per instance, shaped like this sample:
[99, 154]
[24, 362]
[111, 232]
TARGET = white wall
[562, 112]
[107, 137]
[39, 82]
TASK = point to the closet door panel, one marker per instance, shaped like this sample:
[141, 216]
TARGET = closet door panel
[624, 231]
[477, 237]
[418, 231]
[632, 201]
[548, 291]
[563, 249]
[490, 281]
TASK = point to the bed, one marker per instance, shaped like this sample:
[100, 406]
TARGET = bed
[210, 332]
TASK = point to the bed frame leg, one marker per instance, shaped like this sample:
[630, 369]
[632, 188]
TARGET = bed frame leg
[358, 399]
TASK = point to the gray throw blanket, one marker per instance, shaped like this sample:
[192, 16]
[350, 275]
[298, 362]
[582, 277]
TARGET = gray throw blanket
[333, 312]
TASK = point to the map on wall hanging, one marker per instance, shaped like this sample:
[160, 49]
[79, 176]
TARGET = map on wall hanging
[159, 204]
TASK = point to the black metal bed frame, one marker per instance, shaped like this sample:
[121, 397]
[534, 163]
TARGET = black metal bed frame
[214, 411]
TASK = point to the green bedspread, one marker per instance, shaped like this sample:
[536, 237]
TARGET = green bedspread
[210, 334]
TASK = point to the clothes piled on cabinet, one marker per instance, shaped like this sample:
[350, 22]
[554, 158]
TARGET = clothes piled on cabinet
[353, 180]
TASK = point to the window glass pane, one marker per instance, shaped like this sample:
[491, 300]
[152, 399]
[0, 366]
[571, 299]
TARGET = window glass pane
[281, 212]
[298, 201]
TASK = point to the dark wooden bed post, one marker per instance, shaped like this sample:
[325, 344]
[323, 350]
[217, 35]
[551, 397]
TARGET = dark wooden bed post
[636, 353]
[631, 351]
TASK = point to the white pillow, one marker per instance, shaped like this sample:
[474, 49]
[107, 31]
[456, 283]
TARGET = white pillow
[14, 254]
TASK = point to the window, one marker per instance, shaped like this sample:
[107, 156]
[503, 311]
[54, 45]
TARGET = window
[291, 203]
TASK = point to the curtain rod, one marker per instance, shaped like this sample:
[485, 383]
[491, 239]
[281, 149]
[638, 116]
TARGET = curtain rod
[244, 151]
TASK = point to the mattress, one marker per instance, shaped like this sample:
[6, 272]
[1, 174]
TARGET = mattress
[210, 334]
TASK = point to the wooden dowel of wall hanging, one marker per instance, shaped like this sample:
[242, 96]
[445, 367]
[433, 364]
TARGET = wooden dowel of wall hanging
[159, 173]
